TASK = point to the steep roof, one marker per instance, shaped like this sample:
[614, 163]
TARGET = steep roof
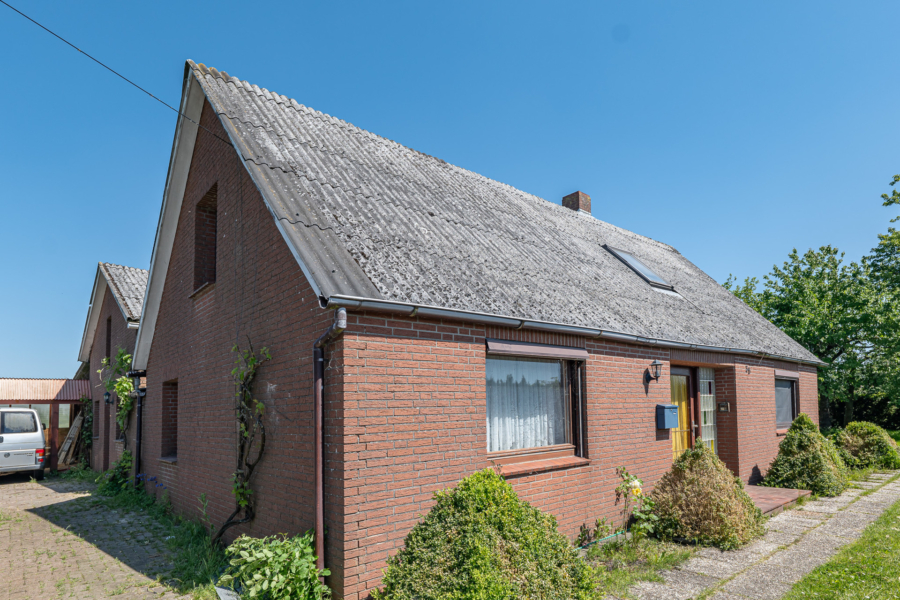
[127, 286]
[368, 218]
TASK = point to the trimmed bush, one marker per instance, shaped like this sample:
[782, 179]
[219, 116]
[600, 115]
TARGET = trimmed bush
[700, 500]
[481, 541]
[807, 460]
[866, 445]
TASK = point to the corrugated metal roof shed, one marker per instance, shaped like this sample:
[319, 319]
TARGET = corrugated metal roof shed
[44, 390]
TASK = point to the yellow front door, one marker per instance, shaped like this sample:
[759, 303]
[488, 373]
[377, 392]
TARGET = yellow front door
[681, 437]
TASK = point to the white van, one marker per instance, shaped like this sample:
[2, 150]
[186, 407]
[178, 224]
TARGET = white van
[21, 441]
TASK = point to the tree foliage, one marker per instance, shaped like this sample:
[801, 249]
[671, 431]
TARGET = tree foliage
[847, 314]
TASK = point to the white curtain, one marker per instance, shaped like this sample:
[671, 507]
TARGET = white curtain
[526, 405]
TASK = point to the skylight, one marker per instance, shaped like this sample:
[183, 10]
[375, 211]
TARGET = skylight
[639, 267]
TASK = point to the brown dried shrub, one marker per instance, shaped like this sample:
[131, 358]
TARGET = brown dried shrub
[700, 500]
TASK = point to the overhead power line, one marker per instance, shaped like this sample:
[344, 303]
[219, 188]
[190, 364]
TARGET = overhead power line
[110, 69]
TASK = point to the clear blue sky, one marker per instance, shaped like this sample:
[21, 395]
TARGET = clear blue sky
[733, 131]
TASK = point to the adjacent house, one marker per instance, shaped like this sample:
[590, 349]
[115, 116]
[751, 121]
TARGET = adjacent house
[112, 321]
[424, 322]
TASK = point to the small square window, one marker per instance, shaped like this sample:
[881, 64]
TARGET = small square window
[646, 273]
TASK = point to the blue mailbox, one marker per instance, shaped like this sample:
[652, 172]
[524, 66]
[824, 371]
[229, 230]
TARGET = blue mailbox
[666, 416]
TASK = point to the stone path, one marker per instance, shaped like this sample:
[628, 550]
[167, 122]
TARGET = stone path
[796, 542]
[56, 541]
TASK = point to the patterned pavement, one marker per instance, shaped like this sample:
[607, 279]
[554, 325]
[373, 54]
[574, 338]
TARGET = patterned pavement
[57, 541]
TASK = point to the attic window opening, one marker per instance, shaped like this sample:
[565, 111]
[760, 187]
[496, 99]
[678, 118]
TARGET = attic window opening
[646, 273]
[205, 229]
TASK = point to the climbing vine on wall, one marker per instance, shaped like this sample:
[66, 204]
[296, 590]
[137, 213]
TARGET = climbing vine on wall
[114, 379]
[251, 438]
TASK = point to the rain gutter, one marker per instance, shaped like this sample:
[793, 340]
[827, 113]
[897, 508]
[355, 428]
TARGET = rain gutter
[411, 310]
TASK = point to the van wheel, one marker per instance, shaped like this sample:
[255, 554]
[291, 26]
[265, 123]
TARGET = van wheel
[39, 475]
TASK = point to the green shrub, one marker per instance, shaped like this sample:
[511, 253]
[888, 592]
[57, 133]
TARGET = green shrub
[807, 461]
[480, 541]
[118, 478]
[275, 567]
[866, 445]
[700, 500]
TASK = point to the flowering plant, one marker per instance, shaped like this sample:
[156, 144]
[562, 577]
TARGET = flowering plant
[636, 505]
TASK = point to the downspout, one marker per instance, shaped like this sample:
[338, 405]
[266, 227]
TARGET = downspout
[139, 393]
[336, 328]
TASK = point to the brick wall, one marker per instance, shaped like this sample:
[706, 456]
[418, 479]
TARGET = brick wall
[259, 294]
[414, 422]
[104, 450]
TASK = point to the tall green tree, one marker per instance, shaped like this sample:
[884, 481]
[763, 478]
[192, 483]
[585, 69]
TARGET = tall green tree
[847, 314]
[826, 305]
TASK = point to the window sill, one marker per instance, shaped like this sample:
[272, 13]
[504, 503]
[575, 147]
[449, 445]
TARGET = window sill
[542, 465]
[203, 288]
[781, 432]
[169, 459]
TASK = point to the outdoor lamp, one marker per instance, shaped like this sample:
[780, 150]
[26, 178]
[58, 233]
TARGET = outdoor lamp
[106, 397]
[655, 369]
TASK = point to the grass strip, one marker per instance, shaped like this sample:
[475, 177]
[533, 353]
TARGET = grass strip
[868, 568]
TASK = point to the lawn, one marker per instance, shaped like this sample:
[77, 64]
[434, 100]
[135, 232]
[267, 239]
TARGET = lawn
[895, 435]
[868, 568]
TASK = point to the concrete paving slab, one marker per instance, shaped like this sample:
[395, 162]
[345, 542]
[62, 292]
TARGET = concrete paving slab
[755, 584]
[780, 538]
[720, 569]
[726, 596]
[677, 585]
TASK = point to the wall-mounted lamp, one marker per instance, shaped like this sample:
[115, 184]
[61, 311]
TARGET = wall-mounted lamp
[106, 398]
[655, 369]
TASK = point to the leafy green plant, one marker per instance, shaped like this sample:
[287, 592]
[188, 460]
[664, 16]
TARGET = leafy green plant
[276, 568]
[87, 425]
[251, 441]
[866, 445]
[631, 490]
[481, 541]
[114, 379]
[588, 535]
[807, 461]
[700, 500]
[117, 478]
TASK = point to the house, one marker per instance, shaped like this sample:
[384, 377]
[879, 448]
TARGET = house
[466, 324]
[112, 321]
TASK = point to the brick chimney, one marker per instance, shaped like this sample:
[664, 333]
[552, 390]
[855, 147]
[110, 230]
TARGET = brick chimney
[578, 201]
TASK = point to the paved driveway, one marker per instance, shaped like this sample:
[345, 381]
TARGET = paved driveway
[56, 541]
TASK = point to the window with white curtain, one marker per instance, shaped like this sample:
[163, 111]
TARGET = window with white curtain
[526, 403]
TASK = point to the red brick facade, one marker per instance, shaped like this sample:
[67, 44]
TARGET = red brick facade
[405, 398]
[112, 331]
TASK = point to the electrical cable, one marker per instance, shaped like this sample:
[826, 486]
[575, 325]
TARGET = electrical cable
[111, 70]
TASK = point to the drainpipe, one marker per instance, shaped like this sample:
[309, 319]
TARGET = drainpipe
[336, 328]
[139, 393]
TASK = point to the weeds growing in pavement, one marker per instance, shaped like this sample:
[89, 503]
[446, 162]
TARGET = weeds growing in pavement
[621, 564]
[197, 562]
